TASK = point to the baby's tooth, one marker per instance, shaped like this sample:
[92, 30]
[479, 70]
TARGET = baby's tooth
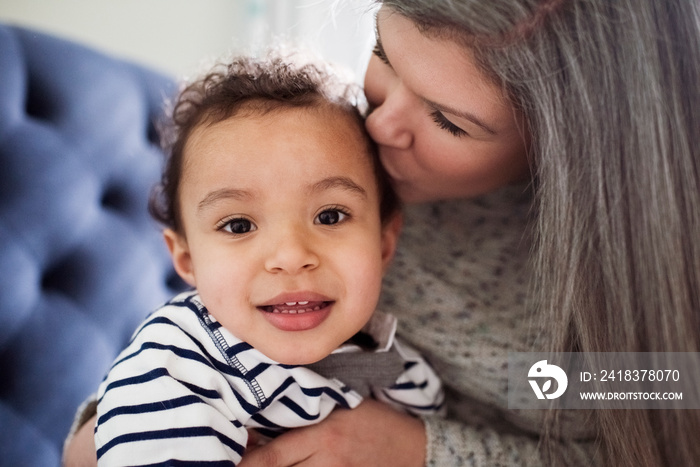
[290, 303]
[303, 303]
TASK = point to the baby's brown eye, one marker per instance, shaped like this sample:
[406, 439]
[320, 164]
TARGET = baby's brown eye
[239, 226]
[330, 217]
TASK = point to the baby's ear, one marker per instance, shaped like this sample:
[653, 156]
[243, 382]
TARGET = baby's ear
[390, 237]
[180, 254]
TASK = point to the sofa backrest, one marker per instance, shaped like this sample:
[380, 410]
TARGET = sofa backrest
[81, 262]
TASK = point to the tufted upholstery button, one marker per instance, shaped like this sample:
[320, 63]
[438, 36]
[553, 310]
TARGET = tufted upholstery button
[117, 199]
[81, 262]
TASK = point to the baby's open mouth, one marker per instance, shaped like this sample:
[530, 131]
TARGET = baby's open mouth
[295, 307]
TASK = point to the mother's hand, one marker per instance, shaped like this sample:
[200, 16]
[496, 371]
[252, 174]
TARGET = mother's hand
[372, 434]
[80, 450]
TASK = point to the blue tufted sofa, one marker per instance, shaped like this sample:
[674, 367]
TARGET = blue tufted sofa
[81, 263]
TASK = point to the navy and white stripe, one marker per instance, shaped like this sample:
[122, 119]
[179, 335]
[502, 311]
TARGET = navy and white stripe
[185, 390]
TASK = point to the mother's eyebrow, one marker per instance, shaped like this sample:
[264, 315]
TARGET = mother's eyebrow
[338, 182]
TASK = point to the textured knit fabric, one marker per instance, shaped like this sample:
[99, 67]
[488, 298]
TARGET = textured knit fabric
[459, 287]
[185, 390]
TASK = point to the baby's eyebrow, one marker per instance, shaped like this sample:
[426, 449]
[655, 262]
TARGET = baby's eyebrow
[222, 194]
[338, 182]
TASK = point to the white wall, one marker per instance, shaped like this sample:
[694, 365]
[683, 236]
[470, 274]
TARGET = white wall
[180, 36]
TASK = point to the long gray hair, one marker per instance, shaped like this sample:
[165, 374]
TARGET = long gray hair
[610, 90]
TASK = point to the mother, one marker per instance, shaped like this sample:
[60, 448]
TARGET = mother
[600, 100]
[558, 145]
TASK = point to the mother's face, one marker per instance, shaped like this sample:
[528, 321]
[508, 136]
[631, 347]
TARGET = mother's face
[444, 129]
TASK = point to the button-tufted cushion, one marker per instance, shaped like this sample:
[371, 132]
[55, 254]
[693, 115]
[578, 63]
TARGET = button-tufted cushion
[81, 263]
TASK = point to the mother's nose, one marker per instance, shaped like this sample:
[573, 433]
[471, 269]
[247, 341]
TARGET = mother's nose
[389, 123]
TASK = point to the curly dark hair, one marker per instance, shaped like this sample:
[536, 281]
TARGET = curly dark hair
[261, 85]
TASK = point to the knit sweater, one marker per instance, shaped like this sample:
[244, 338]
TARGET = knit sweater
[459, 287]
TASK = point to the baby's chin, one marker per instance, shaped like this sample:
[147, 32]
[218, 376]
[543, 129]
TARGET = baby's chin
[298, 356]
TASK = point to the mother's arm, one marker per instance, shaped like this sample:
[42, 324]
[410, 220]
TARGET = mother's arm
[372, 434]
[80, 448]
[452, 443]
[376, 435]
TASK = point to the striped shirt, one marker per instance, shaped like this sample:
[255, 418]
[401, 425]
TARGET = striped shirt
[185, 390]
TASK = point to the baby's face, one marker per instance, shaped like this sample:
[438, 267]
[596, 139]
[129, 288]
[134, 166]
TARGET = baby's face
[283, 238]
